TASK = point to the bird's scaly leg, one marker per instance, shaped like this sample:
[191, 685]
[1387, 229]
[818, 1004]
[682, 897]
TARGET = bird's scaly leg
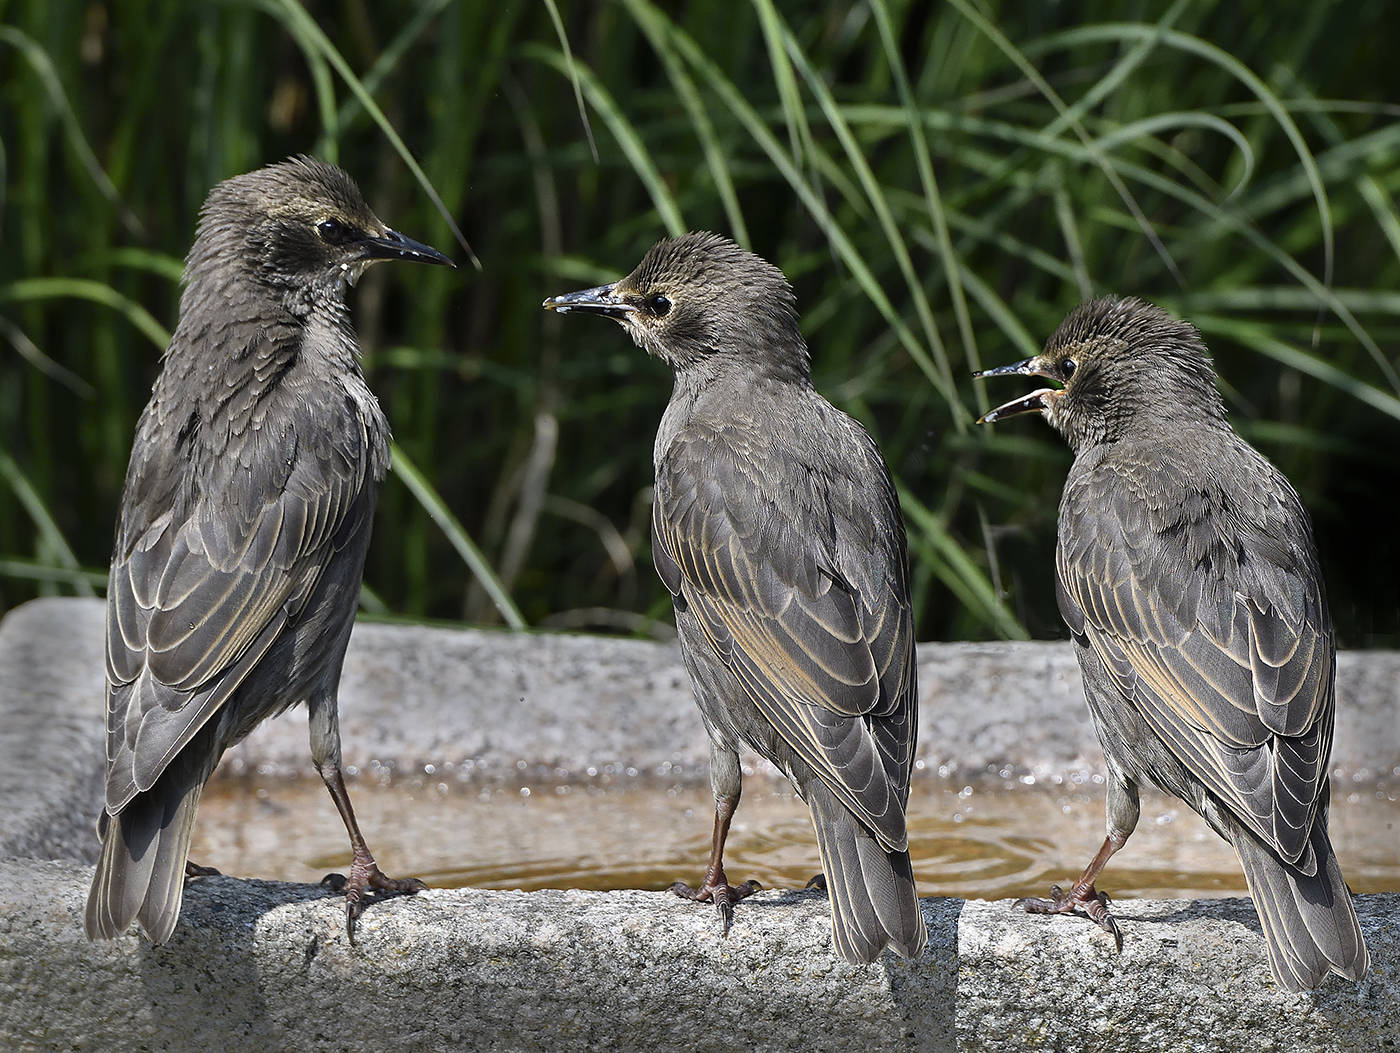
[715, 887]
[1082, 894]
[364, 871]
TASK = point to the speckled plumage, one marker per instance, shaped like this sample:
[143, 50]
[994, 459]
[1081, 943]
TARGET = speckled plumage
[1189, 580]
[244, 520]
[778, 533]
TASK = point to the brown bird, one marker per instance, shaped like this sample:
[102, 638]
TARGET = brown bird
[1189, 579]
[243, 527]
[777, 531]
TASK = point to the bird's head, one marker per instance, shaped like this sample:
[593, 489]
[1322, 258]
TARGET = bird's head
[300, 225]
[701, 301]
[1122, 367]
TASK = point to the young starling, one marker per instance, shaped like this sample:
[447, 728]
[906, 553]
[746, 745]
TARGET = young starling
[1189, 579]
[243, 527]
[776, 528]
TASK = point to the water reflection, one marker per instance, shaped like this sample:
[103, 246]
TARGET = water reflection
[979, 841]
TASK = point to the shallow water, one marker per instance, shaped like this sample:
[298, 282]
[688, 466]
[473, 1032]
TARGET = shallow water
[991, 839]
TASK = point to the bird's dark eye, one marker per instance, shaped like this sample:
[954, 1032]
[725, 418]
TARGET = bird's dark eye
[658, 305]
[1068, 366]
[331, 230]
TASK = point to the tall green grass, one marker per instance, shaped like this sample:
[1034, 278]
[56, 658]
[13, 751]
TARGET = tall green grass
[942, 182]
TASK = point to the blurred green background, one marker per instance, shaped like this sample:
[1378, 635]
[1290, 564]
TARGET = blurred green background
[940, 181]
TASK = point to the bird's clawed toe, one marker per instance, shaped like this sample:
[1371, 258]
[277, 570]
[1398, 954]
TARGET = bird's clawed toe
[365, 878]
[719, 892]
[1085, 900]
[193, 870]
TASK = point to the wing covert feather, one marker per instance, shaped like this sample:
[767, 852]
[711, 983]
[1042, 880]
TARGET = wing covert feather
[210, 567]
[1213, 628]
[805, 600]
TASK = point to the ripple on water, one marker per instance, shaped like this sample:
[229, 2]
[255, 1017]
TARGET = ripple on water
[990, 839]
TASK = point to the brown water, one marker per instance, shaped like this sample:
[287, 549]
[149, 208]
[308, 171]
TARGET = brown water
[990, 840]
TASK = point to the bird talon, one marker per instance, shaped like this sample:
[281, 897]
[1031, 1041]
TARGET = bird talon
[817, 881]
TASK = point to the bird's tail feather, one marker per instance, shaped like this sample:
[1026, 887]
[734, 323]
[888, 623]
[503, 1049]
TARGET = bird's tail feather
[874, 903]
[1310, 923]
[141, 872]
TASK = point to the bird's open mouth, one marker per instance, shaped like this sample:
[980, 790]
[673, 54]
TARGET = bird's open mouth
[599, 300]
[1036, 400]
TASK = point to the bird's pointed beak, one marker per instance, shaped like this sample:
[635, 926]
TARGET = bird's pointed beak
[602, 299]
[392, 245]
[1036, 400]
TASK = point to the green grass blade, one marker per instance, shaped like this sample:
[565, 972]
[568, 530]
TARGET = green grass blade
[1162, 121]
[167, 266]
[440, 514]
[1031, 73]
[389, 59]
[32, 289]
[976, 591]
[875, 195]
[310, 43]
[48, 530]
[305, 26]
[626, 135]
[572, 74]
[933, 199]
[30, 352]
[705, 133]
[758, 129]
[43, 66]
[1242, 73]
[1258, 337]
[28, 570]
[794, 113]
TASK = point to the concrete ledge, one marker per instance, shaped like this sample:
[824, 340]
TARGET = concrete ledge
[264, 966]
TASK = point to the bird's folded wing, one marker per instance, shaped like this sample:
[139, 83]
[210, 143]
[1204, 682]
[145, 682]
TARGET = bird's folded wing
[194, 604]
[829, 663]
[1229, 659]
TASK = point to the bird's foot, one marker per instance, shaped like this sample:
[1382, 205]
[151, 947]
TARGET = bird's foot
[195, 870]
[817, 881]
[1080, 898]
[365, 876]
[721, 893]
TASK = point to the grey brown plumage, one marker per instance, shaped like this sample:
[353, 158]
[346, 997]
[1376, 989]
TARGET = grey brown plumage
[244, 524]
[1189, 580]
[777, 531]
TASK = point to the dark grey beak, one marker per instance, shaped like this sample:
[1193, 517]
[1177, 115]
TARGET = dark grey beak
[600, 300]
[1026, 368]
[394, 246]
[1030, 367]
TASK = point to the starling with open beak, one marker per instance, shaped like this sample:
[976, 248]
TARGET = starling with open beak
[243, 527]
[1189, 579]
[778, 533]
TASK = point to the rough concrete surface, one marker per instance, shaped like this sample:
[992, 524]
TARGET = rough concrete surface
[261, 966]
[1192, 976]
[266, 966]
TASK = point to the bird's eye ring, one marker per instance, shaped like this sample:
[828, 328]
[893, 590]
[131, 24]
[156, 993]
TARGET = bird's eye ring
[658, 305]
[331, 230]
[1068, 366]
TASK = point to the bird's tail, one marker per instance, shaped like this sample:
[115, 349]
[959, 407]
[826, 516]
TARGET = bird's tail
[1309, 922]
[141, 873]
[873, 900]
